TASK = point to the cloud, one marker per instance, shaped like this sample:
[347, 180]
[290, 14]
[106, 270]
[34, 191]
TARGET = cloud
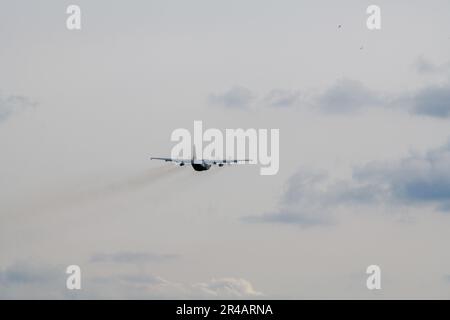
[24, 280]
[131, 257]
[314, 199]
[147, 286]
[237, 97]
[137, 279]
[228, 288]
[22, 272]
[11, 104]
[302, 202]
[295, 217]
[346, 96]
[279, 98]
[433, 101]
[426, 67]
[423, 179]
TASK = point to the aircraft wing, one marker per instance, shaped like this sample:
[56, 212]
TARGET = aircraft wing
[211, 162]
[172, 160]
[217, 162]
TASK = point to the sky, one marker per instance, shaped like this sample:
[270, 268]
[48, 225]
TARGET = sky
[364, 173]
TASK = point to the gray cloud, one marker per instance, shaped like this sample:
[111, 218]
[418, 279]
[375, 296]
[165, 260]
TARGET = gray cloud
[432, 101]
[415, 179]
[344, 96]
[302, 203]
[25, 280]
[279, 98]
[295, 217]
[237, 97]
[12, 104]
[131, 257]
[347, 96]
[131, 279]
[22, 272]
[425, 66]
[312, 199]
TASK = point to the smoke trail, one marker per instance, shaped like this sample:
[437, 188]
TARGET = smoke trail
[85, 193]
[124, 185]
[138, 181]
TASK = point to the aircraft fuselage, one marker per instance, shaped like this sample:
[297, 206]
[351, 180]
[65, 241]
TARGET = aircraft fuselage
[200, 166]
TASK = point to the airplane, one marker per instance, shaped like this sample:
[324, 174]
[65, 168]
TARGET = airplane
[200, 165]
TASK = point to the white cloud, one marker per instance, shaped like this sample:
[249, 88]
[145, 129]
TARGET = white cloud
[228, 288]
[32, 281]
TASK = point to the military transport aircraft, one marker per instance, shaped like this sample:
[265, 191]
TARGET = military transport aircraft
[200, 165]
